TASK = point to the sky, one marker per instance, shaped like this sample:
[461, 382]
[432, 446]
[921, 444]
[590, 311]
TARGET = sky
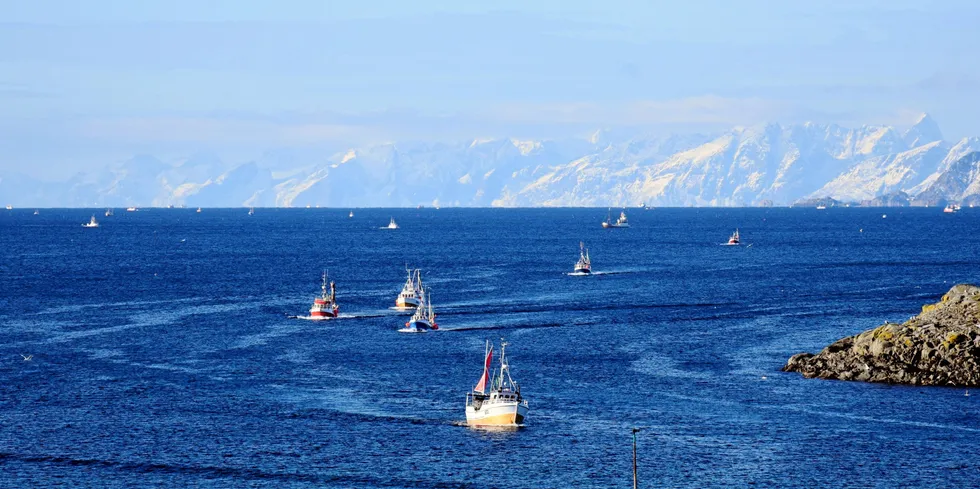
[86, 84]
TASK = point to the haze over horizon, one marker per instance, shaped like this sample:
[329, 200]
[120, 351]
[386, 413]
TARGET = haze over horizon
[89, 85]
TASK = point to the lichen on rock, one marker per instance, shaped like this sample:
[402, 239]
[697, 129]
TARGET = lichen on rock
[940, 346]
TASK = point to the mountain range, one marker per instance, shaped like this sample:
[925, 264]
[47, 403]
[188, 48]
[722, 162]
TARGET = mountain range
[772, 164]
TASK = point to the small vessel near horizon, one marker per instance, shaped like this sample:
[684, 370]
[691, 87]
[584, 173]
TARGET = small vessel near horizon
[424, 318]
[391, 225]
[408, 298]
[108, 212]
[251, 211]
[198, 210]
[496, 400]
[821, 207]
[325, 306]
[734, 239]
[620, 222]
[10, 207]
[36, 212]
[951, 208]
[91, 224]
[132, 209]
[351, 214]
[584, 263]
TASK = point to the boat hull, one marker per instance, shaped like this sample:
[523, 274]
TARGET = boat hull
[500, 414]
[583, 270]
[406, 303]
[418, 327]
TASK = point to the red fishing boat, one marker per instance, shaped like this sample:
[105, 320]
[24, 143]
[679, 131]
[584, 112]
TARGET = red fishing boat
[325, 306]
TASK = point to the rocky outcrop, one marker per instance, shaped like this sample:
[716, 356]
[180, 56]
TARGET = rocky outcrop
[894, 199]
[940, 346]
[816, 202]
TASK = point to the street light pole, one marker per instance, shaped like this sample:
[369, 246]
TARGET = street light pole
[634, 457]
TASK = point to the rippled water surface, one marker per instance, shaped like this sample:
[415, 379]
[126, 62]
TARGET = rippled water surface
[164, 355]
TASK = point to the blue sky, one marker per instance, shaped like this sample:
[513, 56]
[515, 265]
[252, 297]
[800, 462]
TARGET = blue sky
[87, 83]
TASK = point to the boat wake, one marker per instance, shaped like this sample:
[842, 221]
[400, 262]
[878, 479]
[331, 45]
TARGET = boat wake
[600, 272]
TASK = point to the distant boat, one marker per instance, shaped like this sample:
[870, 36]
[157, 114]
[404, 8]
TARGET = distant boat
[108, 212]
[198, 210]
[251, 211]
[408, 298]
[821, 207]
[424, 319]
[131, 209]
[584, 263]
[91, 224]
[496, 400]
[325, 306]
[36, 212]
[351, 214]
[10, 207]
[621, 222]
[950, 209]
[391, 225]
[734, 240]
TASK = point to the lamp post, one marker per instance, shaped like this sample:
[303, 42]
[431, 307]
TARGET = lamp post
[635, 430]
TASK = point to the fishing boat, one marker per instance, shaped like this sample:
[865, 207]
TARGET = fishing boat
[408, 298]
[424, 319]
[821, 207]
[584, 263]
[198, 210]
[351, 214]
[10, 207]
[325, 306]
[496, 400]
[36, 212]
[391, 225]
[734, 240]
[950, 209]
[620, 222]
[91, 224]
[108, 212]
[131, 209]
[251, 211]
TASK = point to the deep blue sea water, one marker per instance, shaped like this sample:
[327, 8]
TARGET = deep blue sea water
[164, 355]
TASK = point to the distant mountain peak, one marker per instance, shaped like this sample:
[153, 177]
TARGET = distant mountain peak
[924, 131]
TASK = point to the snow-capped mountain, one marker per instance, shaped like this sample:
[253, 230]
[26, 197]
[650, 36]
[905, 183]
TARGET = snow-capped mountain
[771, 163]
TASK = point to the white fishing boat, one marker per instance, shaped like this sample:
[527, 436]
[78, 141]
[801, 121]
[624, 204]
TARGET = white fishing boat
[620, 222]
[10, 207]
[351, 214]
[198, 210]
[408, 298]
[821, 207]
[734, 239]
[131, 209]
[108, 212]
[325, 306]
[391, 225]
[950, 209]
[92, 223]
[36, 212]
[251, 211]
[496, 400]
[584, 263]
[424, 319]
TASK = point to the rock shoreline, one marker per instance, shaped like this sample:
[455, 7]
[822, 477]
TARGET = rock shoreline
[940, 346]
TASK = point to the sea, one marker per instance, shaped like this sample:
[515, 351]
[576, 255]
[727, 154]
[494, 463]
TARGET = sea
[163, 348]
